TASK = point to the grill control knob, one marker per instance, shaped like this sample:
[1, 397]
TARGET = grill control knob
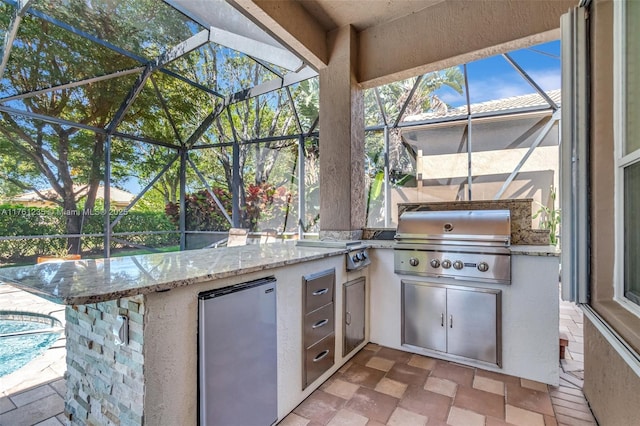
[434, 263]
[483, 266]
[414, 262]
[355, 258]
[458, 265]
[446, 264]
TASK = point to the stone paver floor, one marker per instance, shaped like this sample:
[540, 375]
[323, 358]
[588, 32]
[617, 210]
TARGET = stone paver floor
[378, 386]
[34, 394]
[383, 386]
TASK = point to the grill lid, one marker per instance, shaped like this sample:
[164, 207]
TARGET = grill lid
[472, 227]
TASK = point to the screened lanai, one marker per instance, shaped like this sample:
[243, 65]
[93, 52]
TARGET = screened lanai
[209, 123]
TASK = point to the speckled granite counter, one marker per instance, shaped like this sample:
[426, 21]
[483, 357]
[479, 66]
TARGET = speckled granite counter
[99, 280]
[523, 250]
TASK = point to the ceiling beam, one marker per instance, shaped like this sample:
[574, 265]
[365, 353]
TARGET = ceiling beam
[454, 32]
[290, 23]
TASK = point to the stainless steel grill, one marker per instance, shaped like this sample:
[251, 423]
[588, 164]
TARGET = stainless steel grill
[470, 245]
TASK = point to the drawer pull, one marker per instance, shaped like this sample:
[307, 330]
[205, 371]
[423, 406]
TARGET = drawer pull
[320, 292]
[320, 323]
[321, 355]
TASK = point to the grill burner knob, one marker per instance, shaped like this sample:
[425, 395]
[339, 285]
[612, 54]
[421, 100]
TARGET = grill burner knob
[483, 266]
[446, 264]
[413, 261]
[362, 256]
[435, 263]
[458, 265]
[355, 258]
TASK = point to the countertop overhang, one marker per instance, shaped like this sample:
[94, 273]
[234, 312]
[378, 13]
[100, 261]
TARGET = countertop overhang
[522, 250]
[98, 280]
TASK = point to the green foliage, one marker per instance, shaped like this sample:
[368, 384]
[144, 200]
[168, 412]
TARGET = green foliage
[550, 217]
[202, 212]
[391, 98]
[264, 204]
[17, 220]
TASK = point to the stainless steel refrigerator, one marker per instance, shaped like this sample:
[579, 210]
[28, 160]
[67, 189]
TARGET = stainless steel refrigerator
[237, 355]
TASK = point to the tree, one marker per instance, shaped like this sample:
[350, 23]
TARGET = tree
[255, 118]
[393, 97]
[35, 153]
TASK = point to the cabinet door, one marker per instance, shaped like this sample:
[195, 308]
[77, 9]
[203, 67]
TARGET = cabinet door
[354, 311]
[424, 311]
[472, 324]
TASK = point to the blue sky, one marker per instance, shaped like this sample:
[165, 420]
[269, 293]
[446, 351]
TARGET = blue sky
[494, 78]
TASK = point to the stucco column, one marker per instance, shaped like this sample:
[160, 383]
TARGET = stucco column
[342, 203]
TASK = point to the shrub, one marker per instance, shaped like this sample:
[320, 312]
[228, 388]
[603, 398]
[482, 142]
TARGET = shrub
[16, 220]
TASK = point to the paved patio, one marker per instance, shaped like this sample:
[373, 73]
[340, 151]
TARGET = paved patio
[34, 394]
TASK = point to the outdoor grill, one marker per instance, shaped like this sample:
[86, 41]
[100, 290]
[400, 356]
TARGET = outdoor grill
[470, 245]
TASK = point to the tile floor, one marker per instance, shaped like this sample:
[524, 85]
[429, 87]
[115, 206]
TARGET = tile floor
[378, 386]
[384, 386]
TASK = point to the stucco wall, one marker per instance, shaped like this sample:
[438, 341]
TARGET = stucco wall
[171, 327]
[611, 387]
[529, 314]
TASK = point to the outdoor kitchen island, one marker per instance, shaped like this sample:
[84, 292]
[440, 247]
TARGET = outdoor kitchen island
[153, 378]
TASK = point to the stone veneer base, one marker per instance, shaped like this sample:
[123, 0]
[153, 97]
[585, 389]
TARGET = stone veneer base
[105, 381]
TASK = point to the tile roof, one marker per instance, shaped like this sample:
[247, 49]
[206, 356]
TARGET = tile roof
[499, 105]
[117, 195]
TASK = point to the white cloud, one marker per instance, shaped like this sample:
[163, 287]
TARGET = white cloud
[493, 87]
[547, 79]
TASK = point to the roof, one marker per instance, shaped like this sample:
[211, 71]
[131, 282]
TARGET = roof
[117, 195]
[513, 103]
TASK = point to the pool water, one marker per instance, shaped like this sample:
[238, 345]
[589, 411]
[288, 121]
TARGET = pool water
[16, 350]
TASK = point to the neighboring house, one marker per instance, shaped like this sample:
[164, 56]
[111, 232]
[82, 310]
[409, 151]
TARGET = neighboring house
[119, 198]
[512, 140]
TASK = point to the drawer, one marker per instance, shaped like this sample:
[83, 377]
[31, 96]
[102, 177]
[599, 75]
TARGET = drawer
[318, 324]
[318, 359]
[318, 289]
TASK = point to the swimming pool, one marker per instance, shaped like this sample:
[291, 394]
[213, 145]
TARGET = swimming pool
[24, 336]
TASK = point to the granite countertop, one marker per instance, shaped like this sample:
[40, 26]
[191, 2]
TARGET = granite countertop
[98, 280]
[525, 250]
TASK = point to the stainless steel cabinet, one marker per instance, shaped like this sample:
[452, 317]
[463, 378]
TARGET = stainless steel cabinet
[424, 310]
[318, 324]
[354, 303]
[460, 321]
